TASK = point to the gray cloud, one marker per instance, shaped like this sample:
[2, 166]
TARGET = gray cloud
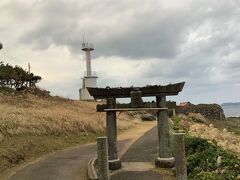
[138, 30]
[196, 41]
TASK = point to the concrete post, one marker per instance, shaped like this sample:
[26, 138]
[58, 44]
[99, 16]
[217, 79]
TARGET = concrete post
[102, 161]
[180, 158]
[165, 158]
[114, 162]
[174, 112]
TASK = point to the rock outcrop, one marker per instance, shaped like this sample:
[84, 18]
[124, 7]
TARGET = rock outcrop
[209, 111]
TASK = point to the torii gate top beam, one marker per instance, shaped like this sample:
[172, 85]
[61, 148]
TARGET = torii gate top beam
[147, 91]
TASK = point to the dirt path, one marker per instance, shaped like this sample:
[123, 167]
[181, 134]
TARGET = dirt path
[71, 163]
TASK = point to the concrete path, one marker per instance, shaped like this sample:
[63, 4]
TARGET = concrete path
[144, 149]
[138, 161]
[71, 164]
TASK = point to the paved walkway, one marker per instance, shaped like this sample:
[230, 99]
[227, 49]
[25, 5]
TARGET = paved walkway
[139, 160]
[64, 165]
[144, 149]
[70, 164]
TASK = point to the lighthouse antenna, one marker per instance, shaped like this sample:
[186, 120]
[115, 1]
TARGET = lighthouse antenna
[83, 38]
[29, 68]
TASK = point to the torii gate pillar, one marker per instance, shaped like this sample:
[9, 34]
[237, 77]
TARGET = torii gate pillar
[111, 127]
[165, 158]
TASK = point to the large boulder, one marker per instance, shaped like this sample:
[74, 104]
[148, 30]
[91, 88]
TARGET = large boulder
[148, 117]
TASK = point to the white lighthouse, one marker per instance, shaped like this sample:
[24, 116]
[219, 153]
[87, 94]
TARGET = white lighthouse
[90, 77]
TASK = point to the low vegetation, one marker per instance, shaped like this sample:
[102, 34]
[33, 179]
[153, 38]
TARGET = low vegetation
[198, 126]
[212, 153]
[208, 161]
[36, 124]
[232, 124]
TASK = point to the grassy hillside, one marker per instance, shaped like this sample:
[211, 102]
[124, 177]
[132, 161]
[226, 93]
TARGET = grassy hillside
[215, 130]
[32, 125]
[212, 151]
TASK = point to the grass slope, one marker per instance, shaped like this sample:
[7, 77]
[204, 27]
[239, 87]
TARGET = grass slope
[33, 125]
[211, 153]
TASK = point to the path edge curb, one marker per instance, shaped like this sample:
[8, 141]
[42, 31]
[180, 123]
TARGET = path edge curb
[91, 170]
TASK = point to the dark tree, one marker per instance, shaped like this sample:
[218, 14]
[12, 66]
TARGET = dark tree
[16, 77]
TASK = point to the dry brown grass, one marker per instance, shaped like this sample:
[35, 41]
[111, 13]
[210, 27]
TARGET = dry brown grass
[207, 130]
[32, 115]
[31, 126]
[225, 139]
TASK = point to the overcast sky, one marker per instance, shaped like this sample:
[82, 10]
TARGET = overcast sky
[136, 43]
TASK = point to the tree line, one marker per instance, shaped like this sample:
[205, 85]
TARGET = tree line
[16, 77]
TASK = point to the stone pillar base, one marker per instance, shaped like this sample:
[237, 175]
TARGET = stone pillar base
[164, 162]
[114, 164]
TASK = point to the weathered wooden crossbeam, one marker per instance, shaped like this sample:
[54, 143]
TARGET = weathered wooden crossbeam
[135, 109]
[145, 106]
[156, 90]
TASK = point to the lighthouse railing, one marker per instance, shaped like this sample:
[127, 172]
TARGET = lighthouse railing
[87, 45]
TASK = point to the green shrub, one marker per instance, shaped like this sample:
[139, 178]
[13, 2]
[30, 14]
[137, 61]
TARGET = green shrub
[202, 160]
[176, 123]
[207, 176]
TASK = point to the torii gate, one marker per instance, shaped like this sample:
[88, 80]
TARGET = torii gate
[165, 158]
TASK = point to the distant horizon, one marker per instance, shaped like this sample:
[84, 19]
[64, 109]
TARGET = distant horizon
[231, 109]
[230, 103]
